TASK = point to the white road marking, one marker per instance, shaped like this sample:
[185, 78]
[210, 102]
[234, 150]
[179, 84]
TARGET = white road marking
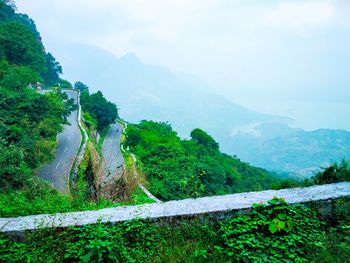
[65, 150]
[58, 165]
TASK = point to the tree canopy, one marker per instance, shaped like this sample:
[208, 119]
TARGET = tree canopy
[20, 44]
[81, 86]
[102, 110]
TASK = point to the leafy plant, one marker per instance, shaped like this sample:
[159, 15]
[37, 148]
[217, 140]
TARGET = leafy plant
[276, 232]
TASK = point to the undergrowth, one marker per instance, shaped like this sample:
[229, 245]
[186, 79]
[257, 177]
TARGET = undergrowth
[275, 233]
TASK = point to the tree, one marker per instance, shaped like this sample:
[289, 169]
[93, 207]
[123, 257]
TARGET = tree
[64, 84]
[105, 112]
[7, 9]
[201, 137]
[52, 71]
[19, 46]
[18, 77]
[81, 86]
[12, 167]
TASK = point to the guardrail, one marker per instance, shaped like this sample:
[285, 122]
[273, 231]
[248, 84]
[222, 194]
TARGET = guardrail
[82, 149]
[187, 207]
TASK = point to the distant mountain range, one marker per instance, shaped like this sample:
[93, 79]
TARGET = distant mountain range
[153, 92]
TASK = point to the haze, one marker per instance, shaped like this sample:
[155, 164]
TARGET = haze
[282, 57]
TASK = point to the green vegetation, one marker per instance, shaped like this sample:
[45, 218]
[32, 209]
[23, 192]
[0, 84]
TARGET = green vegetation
[29, 121]
[138, 197]
[335, 173]
[20, 46]
[37, 197]
[81, 86]
[275, 233]
[101, 112]
[177, 169]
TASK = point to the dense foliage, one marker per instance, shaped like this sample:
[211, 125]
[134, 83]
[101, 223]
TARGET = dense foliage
[274, 233]
[277, 233]
[20, 44]
[81, 86]
[29, 121]
[178, 168]
[99, 108]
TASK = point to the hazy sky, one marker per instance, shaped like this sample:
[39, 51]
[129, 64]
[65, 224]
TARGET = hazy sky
[284, 57]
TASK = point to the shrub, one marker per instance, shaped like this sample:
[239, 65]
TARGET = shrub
[276, 232]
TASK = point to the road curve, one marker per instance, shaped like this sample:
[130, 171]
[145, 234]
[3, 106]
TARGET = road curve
[57, 172]
[111, 155]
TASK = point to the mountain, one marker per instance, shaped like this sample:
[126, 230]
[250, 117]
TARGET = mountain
[280, 148]
[154, 92]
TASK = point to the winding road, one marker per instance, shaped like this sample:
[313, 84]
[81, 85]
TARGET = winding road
[57, 172]
[112, 157]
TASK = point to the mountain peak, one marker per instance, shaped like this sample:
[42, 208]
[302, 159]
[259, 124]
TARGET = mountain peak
[130, 57]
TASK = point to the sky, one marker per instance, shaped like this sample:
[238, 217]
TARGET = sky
[289, 57]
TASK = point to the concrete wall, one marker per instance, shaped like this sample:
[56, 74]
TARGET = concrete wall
[187, 207]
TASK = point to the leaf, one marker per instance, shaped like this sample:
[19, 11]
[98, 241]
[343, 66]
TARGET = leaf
[282, 216]
[290, 224]
[281, 225]
[273, 201]
[273, 228]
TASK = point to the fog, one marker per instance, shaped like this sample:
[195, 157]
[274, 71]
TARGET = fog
[280, 57]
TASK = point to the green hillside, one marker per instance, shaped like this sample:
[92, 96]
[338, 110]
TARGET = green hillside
[29, 122]
[179, 169]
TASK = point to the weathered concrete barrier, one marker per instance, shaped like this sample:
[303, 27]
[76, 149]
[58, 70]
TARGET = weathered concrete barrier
[187, 207]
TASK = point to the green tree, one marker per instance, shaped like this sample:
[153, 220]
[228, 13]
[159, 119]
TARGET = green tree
[64, 84]
[7, 9]
[201, 137]
[52, 70]
[104, 111]
[19, 46]
[12, 166]
[81, 86]
[18, 77]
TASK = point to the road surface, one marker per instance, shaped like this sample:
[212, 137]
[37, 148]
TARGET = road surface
[112, 157]
[57, 172]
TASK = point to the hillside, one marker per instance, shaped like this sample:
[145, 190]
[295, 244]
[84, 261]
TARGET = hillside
[29, 122]
[177, 169]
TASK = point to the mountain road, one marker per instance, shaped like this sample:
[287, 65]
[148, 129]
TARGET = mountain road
[58, 170]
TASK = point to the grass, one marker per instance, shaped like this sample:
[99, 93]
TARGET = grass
[42, 199]
[138, 197]
[26, 202]
[103, 135]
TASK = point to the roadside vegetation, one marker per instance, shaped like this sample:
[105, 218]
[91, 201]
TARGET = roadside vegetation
[275, 233]
[30, 121]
